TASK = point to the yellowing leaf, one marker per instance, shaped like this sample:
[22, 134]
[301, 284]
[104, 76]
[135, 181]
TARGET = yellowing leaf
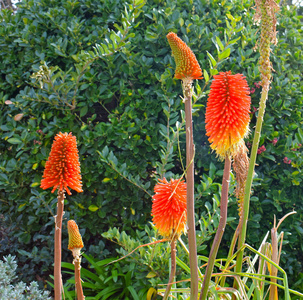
[93, 207]
[106, 179]
[151, 294]
[132, 211]
[21, 205]
[35, 166]
[34, 184]
[80, 205]
[151, 274]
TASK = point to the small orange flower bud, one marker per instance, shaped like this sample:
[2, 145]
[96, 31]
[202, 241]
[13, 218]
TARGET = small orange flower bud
[74, 236]
[62, 169]
[169, 207]
[187, 66]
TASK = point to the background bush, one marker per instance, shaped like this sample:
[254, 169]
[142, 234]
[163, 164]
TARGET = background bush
[120, 104]
[19, 290]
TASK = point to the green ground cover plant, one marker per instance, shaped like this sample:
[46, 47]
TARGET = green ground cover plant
[107, 76]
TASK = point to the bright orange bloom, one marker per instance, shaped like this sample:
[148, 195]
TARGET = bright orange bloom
[227, 113]
[74, 236]
[169, 207]
[62, 169]
[187, 66]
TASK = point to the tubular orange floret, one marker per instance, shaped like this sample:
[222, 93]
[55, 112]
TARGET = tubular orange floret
[62, 169]
[169, 207]
[74, 236]
[187, 66]
[227, 113]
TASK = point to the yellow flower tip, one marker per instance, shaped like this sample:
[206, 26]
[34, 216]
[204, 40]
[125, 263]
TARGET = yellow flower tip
[227, 113]
[187, 66]
[169, 207]
[62, 169]
[74, 236]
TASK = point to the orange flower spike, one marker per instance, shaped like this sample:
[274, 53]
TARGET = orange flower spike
[62, 169]
[227, 113]
[187, 66]
[74, 236]
[169, 207]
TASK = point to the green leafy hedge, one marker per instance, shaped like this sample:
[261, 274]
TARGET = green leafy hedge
[105, 73]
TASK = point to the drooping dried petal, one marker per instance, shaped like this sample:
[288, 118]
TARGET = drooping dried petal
[227, 113]
[187, 66]
[240, 166]
[169, 207]
[62, 169]
[74, 236]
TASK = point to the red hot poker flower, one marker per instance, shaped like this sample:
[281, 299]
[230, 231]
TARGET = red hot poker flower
[74, 236]
[227, 113]
[187, 66]
[169, 207]
[62, 169]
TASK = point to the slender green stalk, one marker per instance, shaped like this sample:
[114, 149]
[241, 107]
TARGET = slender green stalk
[249, 179]
[230, 252]
[191, 230]
[58, 247]
[172, 268]
[220, 230]
[265, 12]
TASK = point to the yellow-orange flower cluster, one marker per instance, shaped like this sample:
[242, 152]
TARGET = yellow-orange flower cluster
[169, 207]
[74, 236]
[187, 66]
[227, 113]
[62, 169]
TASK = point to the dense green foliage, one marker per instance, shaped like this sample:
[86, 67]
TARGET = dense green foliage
[122, 103]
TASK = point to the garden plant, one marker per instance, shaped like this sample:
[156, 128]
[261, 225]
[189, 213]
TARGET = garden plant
[122, 145]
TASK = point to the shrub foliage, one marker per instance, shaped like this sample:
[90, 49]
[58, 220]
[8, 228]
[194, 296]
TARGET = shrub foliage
[104, 71]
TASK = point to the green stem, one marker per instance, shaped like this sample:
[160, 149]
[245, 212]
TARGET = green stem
[230, 252]
[220, 230]
[250, 175]
[191, 230]
[58, 247]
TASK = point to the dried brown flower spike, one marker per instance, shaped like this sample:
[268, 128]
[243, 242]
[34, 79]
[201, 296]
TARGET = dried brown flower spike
[266, 14]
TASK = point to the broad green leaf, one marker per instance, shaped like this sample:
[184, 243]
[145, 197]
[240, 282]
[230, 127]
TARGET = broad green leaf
[14, 141]
[224, 54]
[219, 43]
[206, 76]
[213, 61]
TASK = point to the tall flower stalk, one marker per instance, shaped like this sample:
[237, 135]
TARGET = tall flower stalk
[62, 171]
[188, 69]
[75, 244]
[227, 123]
[265, 13]
[169, 217]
